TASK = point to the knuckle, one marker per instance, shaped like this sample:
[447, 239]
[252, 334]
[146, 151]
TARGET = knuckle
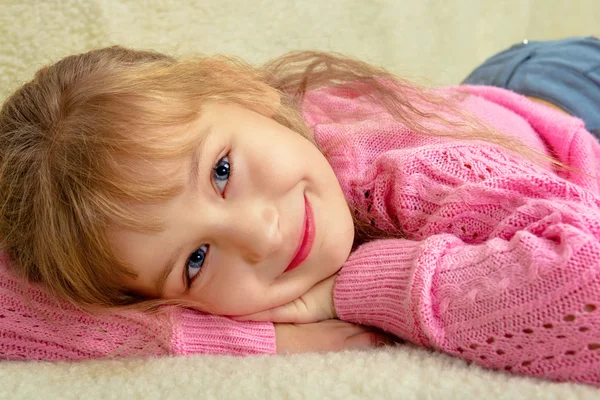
[301, 304]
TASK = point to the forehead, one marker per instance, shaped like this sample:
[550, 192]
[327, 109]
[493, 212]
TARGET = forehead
[138, 252]
[152, 165]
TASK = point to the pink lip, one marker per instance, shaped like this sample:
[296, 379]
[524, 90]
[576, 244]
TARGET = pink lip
[307, 238]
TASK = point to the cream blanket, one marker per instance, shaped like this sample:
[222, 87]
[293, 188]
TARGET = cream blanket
[434, 42]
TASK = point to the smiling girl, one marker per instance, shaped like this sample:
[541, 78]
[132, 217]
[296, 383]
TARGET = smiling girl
[463, 219]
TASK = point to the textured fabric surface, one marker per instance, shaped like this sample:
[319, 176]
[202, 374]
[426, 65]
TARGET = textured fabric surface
[434, 41]
[400, 373]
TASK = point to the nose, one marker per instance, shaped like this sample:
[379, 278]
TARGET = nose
[254, 230]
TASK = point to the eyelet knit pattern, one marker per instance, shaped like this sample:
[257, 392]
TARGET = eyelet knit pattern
[500, 264]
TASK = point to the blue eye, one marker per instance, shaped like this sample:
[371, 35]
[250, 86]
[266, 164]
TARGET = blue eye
[220, 176]
[221, 173]
[195, 263]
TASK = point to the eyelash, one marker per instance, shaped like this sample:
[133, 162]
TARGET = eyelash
[203, 250]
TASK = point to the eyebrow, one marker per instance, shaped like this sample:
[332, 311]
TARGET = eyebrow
[193, 182]
[162, 278]
[196, 157]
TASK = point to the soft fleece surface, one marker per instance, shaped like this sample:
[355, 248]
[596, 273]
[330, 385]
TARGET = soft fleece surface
[435, 42]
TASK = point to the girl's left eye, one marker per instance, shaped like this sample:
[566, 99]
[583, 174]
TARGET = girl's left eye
[221, 172]
[195, 263]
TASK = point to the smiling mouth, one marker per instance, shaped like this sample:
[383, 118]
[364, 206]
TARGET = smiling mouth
[308, 237]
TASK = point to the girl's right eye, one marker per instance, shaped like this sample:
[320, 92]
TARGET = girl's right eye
[194, 264]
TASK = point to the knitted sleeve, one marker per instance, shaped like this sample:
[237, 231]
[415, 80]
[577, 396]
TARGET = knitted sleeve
[35, 326]
[500, 264]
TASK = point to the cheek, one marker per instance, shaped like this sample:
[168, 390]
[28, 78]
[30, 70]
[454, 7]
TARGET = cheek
[231, 292]
[277, 173]
[290, 150]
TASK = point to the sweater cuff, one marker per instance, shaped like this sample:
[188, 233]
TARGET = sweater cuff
[198, 333]
[381, 285]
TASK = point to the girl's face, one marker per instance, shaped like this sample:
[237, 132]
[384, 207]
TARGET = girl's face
[261, 220]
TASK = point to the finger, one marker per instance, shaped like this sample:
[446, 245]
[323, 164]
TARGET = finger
[295, 312]
[367, 340]
[277, 314]
[259, 316]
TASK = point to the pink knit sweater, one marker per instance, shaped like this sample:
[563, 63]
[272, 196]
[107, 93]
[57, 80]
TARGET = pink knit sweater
[501, 261]
[500, 264]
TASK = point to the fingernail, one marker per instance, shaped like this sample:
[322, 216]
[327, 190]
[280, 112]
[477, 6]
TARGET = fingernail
[385, 341]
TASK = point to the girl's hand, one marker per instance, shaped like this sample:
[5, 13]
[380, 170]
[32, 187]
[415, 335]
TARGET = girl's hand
[330, 335]
[313, 306]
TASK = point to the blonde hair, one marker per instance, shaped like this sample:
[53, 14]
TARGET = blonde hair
[70, 140]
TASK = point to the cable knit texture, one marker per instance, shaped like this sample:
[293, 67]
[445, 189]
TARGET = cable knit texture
[500, 260]
[499, 263]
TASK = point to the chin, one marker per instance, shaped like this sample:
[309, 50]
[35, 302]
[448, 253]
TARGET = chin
[343, 248]
[337, 257]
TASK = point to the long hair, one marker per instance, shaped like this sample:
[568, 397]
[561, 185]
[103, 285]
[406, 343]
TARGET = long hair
[71, 139]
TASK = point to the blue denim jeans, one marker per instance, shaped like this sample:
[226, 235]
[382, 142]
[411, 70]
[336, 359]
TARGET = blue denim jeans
[564, 72]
